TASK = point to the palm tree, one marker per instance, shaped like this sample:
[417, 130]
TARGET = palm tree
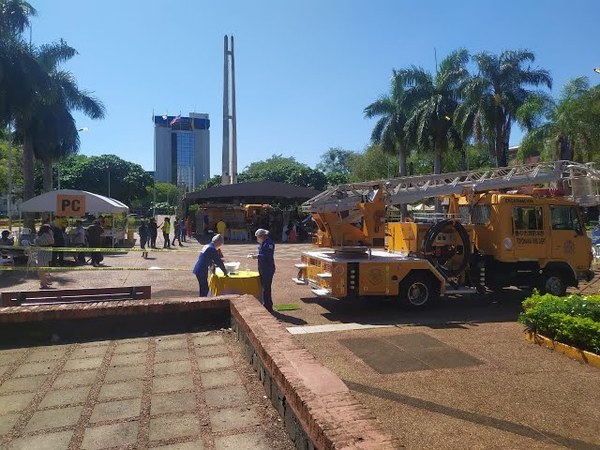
[432, 101]
[14, 17]
[389, 129]
[494, 95]
[565, 129]
[60, 97]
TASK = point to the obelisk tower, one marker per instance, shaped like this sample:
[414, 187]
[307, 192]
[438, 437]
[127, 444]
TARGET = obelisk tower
[229, 153]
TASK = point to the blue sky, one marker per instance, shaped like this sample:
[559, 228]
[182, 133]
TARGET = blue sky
[304, 70]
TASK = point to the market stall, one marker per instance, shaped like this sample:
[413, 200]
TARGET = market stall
[76, 204]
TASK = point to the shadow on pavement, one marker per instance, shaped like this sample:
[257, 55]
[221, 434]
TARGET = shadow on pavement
[288, 319]
[479, 419]
[503, 306]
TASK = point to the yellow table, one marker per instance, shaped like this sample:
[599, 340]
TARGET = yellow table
[241, 282]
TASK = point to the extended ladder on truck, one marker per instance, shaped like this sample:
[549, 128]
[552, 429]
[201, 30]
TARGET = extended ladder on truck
[579, 182]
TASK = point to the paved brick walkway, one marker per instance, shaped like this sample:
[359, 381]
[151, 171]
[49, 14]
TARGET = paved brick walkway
[150, 392]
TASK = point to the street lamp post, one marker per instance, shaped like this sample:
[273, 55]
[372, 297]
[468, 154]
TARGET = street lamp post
[597, 70]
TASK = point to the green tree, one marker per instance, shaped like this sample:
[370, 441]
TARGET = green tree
[373, 164]
[213, 181]
[393, 114]
[34, 87]
[284, 170]
[129, 182]
[336, 164]
[565, 129]
[10, 162]
[432, 102]
[495, 94]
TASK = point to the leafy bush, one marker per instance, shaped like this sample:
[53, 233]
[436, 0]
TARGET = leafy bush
[574, 320]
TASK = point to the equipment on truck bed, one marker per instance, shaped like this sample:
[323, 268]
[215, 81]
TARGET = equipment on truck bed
[486, 239]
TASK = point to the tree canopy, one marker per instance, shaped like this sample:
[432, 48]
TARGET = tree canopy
[129, 182]
[284, 170]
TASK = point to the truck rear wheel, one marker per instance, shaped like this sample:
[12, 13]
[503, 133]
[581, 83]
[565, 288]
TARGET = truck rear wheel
[418, 290]
[554, 283]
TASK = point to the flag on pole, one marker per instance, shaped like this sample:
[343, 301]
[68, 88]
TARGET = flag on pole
[175, 120]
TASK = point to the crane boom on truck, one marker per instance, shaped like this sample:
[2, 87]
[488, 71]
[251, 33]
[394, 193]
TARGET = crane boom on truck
[489, 240]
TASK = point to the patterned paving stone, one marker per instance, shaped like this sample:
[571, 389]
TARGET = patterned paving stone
[129, 359]
[25, 384]
[46, 441]
[46, 354]
[65, 397]
[208, 339]
[124, 373]
[116, 409]
[83, 364]
[211, 350]
[90, 352]
[195, 445]
[173, 403]
[52, 418]
[15, 402]
[172, 367]
[137, 346]
[35, 368]
[124, 389]
[171, 355]
[174, 426]
[226, 396]
[6, 422]
[220, 362]
[171, 344]
[104, 436]
[220, 378]
[10, 356]
[233, 418]
[172, 383]
[73, 379]
[247, 441]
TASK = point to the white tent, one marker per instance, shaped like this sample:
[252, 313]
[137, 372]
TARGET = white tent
[72, 203]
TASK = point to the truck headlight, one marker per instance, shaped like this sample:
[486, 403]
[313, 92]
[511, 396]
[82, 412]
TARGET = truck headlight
[508, 243]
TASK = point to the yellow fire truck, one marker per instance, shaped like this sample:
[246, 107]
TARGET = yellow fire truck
[487, 238]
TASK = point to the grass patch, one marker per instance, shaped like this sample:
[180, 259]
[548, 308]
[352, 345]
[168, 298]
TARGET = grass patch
[286, 307]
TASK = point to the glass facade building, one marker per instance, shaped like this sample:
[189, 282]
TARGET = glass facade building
[182, 150]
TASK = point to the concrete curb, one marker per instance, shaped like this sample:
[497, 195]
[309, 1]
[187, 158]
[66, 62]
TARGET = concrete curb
[572, 352]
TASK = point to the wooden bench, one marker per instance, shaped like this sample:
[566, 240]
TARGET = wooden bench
[74, 296]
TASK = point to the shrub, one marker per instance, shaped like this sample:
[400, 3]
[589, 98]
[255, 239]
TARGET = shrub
[573, 320]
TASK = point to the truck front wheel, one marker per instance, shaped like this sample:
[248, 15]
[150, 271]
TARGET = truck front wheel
[554, 283]
[418, 290]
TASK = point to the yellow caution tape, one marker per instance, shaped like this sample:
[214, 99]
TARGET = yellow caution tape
[83, 268]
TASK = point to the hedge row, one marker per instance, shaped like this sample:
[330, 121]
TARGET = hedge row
[572, 320]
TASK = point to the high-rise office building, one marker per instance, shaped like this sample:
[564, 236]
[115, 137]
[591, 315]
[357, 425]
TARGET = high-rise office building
[182, 150]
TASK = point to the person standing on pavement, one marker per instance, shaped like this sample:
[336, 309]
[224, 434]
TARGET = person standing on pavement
[143, 232]
[94, 237]
[58, 257]
[221, 227]
[166, 231]
[183, 224]
[266, 265]
[177, 231]
[78, 240]
[209, 255]
[152, 232]
[45, 238]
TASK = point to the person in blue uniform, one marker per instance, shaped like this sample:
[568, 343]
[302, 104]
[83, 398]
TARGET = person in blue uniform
[266, 265]
[209, 255]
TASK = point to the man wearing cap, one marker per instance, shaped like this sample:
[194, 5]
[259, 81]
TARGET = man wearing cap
[208, 255]
[266, 265]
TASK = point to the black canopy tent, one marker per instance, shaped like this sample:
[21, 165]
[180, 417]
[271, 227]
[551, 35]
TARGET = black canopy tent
[252, 192]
